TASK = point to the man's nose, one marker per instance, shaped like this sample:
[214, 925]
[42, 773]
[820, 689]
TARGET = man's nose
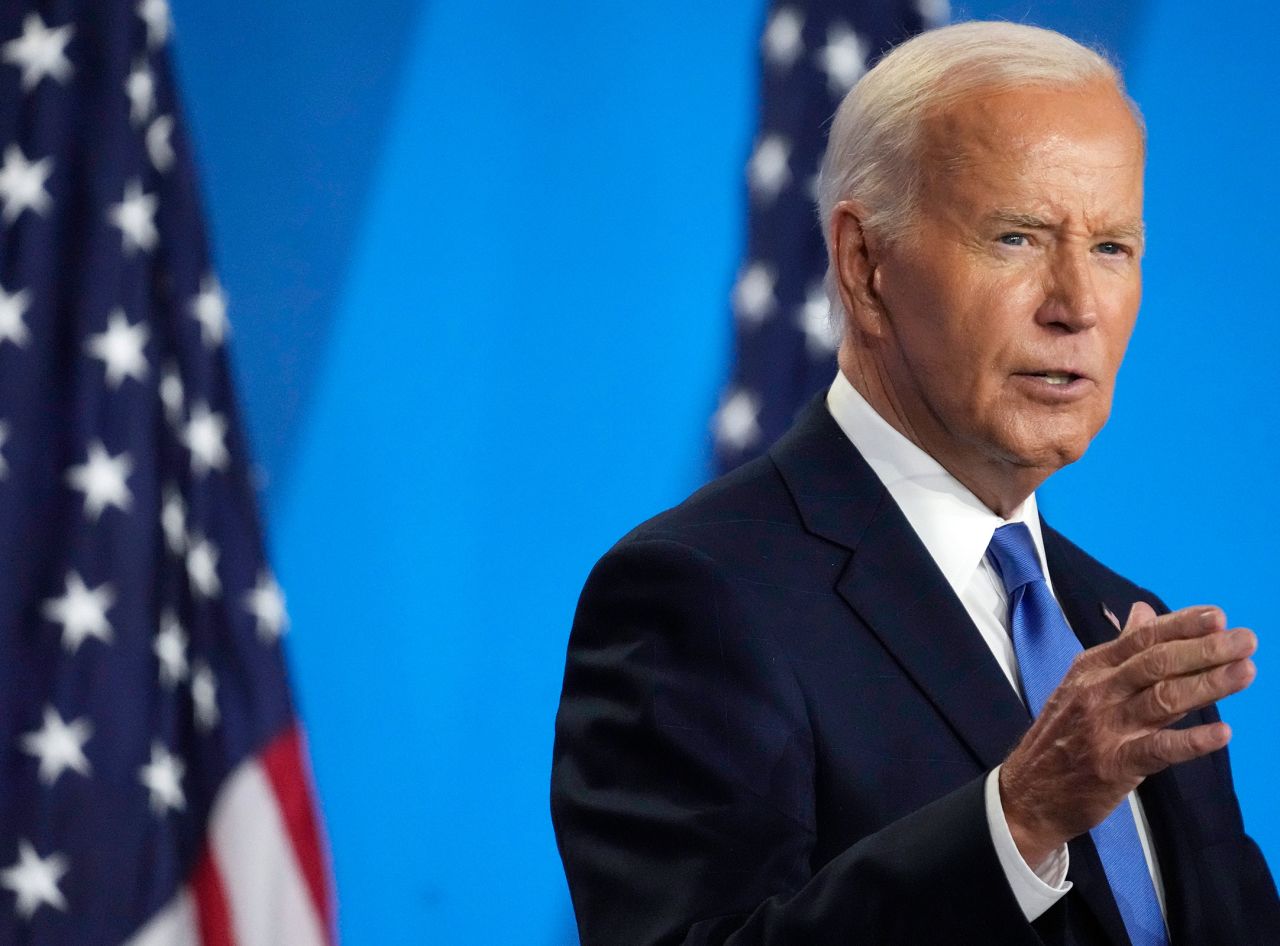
[1071, 298]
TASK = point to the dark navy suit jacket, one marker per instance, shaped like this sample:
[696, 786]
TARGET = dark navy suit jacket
[776, 722]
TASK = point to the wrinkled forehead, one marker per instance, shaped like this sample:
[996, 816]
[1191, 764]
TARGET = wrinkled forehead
[1093, 121]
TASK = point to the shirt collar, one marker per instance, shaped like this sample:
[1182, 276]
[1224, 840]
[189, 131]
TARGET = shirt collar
[954, 525]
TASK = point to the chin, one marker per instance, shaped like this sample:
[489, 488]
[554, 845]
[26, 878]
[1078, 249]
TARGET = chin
[1049, 447]
[1052, 455]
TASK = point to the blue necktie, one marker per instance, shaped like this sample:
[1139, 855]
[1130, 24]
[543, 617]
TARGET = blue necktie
[1045, 646]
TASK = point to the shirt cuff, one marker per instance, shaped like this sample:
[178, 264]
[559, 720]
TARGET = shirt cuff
[1036, 890]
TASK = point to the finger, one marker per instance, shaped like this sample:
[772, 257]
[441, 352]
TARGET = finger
[1177, 658]
[1144, 628]
[1170, 700]
[1166, 747]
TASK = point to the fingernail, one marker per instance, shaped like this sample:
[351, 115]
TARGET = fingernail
[1209, 618]
[1245, 640]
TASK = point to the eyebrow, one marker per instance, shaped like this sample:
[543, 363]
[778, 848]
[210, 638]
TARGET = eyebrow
[1125, 231]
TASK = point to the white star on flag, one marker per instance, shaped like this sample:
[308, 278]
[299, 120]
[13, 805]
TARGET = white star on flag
[162, 777]
[156, 15]
[120, 348]
[135, 215]
[753, 295]
[202, 566]
[159, 144]
[209, 308]
[82, 612]
[266, 603]
[102, 479]
[815, 322]
[40, 52]
[204, 695]
[59, 745]
[140, 87]
[13, 306]
[783, 37]
[736, 424]
[173, 520]
[172, 394]
[843, 59]
[170, 647]
[204, 436]
[22, 184]
[767, 171]
[35, 880]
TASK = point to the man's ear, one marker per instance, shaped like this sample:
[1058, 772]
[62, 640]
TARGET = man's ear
[855, 256]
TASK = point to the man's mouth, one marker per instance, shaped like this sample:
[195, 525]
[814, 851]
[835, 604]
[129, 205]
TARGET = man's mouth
[1056, 377]
[1058, 385]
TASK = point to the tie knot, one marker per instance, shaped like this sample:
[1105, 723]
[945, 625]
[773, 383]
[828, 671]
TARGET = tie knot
[1014, 555]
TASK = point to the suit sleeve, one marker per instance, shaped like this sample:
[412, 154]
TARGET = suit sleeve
[683, 780]
[1244, 892]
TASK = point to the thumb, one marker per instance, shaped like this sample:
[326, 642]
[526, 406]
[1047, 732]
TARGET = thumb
[1141, 613]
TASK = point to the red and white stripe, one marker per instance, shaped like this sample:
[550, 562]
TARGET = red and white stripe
[263, 878]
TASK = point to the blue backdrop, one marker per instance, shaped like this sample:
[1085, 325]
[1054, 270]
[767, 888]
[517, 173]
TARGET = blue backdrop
[478, 254]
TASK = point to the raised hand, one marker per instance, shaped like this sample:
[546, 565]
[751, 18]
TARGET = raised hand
[1104, 729]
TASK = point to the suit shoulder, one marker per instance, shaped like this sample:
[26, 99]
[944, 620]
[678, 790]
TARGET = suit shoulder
[751, 499]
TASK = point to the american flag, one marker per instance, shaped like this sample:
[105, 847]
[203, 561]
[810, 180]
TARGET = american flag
[812, 53]
[155, 788]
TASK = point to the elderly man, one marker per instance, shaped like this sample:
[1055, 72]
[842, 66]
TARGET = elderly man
[858, 691]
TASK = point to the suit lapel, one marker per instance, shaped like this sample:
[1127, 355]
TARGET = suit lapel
[893, 584]
[1081, 602]
[896, 588]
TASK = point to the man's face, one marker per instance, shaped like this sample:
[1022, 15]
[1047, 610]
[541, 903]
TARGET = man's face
[1009, 307]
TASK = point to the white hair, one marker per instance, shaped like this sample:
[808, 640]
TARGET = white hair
[873, 150]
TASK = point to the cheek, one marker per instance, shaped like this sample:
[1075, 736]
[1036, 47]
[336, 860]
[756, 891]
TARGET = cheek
[1124, 330]
[1116, 344]
[995, 307]
[1121, 306]
[956, 321]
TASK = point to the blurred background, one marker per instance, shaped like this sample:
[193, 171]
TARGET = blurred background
[479, 256]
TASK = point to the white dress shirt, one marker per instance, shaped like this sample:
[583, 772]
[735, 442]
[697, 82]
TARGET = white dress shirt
[956, 529]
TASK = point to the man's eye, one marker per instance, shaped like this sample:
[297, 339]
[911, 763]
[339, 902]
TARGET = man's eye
[1112, 249]
[1013, 239]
